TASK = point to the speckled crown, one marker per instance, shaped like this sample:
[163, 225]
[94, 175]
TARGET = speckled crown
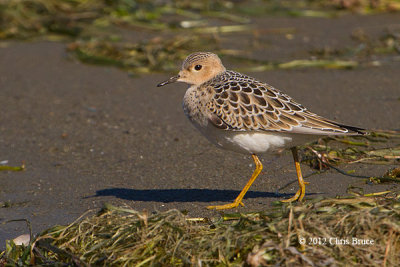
[195, 57]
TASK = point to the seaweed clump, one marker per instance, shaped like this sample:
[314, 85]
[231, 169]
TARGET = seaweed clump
[350, 231]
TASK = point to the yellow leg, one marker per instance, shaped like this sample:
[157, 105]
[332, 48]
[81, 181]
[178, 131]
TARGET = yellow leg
[238, 200]
[302, 185]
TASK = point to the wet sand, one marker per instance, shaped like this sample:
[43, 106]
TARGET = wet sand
[91, 134]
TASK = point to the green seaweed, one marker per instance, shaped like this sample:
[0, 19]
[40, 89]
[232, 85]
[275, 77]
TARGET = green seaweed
[12, 168]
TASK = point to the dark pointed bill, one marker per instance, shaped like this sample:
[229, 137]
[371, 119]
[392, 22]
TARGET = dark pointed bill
[170, 80]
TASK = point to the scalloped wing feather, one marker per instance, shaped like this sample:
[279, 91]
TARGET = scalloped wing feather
[241, 103]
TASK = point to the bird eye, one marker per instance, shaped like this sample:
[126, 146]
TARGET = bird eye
[197, 67]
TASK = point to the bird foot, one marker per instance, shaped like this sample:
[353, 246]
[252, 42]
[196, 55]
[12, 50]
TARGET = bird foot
[226, 206]
[298, 196]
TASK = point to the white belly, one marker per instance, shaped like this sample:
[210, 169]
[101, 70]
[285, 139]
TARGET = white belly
[253, 142]
[258, 143]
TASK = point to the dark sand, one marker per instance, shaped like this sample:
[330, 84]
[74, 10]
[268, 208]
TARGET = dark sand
[92, 134]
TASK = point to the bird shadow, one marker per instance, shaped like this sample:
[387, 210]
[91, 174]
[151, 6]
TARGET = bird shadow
[182, 195]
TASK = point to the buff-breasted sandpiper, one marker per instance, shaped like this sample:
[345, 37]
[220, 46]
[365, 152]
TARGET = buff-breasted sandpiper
[239, 113]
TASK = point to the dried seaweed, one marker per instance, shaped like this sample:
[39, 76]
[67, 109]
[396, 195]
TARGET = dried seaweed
[94, 29]
[320, 232]
[157, 54]
[379, 147]
[358, 149]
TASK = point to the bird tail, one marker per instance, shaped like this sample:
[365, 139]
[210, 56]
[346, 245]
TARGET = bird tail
[352, 129]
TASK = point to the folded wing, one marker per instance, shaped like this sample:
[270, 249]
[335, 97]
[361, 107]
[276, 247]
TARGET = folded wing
[241, 103]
